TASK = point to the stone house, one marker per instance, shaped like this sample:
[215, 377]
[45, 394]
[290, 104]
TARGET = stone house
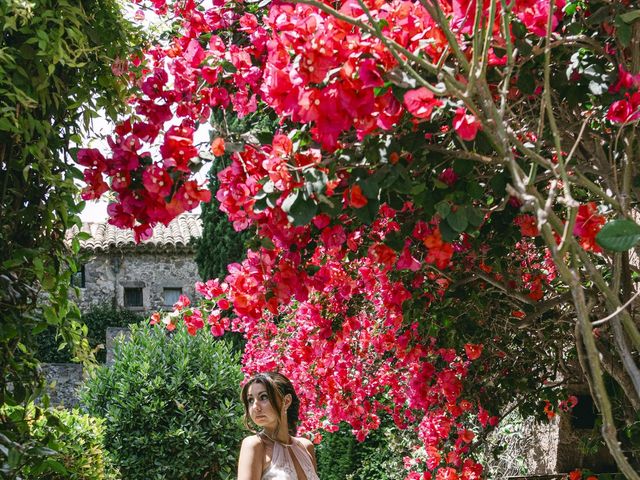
[141, 277]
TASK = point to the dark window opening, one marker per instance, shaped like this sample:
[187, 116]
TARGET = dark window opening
[584, 414]
[78, 279]
[133, 297]
[171, 296]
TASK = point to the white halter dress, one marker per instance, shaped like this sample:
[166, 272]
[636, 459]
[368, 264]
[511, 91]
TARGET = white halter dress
[282, 467]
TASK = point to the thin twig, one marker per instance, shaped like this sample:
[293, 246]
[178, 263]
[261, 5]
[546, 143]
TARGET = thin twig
[595, 323]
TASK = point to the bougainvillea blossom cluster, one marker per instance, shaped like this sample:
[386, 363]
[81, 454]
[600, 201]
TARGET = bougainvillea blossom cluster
[325, 300]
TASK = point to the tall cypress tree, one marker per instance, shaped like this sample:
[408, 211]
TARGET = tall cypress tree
[220, 244]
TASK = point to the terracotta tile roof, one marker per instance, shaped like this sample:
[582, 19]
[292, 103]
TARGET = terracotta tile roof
[175, 236]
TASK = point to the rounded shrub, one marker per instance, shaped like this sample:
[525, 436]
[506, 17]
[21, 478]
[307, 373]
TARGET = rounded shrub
[171, 405]
[71, 445]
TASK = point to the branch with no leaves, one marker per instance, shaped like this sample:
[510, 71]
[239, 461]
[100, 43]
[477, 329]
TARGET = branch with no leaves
[595, 323]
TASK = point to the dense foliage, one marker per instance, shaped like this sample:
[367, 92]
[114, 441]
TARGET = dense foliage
[97, 320]
[341, 457]
[446, 214]
[78, 442]
[55, 74]
[171, 405]
[220, 244]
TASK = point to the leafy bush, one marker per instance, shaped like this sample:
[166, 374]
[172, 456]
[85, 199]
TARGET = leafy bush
[379, 456]
[69, 442]
[171, 403]
[97, 320]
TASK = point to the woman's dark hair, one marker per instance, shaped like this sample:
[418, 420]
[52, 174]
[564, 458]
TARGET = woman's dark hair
[277, 386]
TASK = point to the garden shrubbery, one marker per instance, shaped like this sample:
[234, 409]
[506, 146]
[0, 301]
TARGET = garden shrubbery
[70, 444]
[97, 320]
[172, 405]
[341, 456]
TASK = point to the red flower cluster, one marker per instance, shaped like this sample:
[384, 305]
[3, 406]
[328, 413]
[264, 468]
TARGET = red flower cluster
[323, 302]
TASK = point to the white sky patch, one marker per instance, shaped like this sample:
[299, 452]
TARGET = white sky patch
[101, 127]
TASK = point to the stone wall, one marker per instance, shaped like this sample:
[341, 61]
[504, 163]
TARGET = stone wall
[107, 274]
[112, 335]
[63, 381]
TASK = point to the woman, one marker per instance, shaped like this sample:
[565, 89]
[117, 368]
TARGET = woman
[274, 453]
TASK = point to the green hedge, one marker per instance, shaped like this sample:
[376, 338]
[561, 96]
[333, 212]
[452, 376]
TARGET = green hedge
[171, 403]
[97, 320]
[70, 443]
[379, 456]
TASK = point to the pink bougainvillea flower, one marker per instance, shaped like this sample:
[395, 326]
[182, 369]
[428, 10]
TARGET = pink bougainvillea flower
[440, 252]
[333, 237]
[528, 225]
[534, 15]
[619, 111]
[448, 176]
[217, 146]
[625, 81]
[356, 198]
[473, 350]
[447, 473]
[588, 224]
[421, 102]
[155, 318]
[182, 303]
[91, 157]
[466, 124]
[407, 262]
[369, 75]
[142, 232]
[548, 410]
[575, 475]
[96, 185]
[157, 180]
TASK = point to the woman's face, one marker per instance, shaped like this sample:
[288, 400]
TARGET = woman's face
[260, 409]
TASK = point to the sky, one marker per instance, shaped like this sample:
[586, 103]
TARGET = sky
[96, 210]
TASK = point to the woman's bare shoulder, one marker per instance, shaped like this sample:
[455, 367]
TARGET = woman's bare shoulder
[305, 442]
[252, 442]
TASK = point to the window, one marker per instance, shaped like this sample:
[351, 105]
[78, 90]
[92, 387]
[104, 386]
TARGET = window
[584, 414]
[171, 296]
[78, 279]
[133, 297]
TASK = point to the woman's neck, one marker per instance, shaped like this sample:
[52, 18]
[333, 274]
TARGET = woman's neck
[281, 436]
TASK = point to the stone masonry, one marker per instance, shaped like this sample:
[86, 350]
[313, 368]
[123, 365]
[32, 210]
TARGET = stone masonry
[109, 273]
[156, 270]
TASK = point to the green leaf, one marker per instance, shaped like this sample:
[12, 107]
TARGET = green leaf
[448, 233]
[630, 17]
[599, 16]
[623, 31]
[50, 316]
[56, 466]
[6, 125]
[367, 213]
[462, 167]
[13, 262]
[299, 208]
[228, 66]
[458, 220]
[370, 188]
[519, 30]
[526, 82]
[619, 235]
[474, 215]
[443, 208]
[316, 180]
